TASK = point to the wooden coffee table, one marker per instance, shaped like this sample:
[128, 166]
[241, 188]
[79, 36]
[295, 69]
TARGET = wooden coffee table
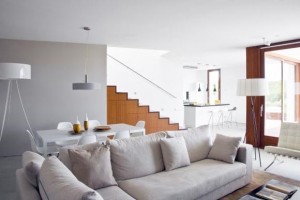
[259, 178]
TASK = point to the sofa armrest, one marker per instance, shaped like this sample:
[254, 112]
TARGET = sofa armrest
[244, 155]
[25, 191]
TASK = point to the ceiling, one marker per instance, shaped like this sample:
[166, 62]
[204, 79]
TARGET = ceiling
[213, 32]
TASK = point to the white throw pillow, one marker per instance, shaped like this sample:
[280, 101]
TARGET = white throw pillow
[198, 141]
[225, 148]
[174, 152]
[32, 163]
[57, 182]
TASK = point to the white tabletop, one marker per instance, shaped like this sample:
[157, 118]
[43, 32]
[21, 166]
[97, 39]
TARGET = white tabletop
[55, 135]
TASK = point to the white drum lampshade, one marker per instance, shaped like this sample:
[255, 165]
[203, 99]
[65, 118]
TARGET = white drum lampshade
[11, 71]
[252, 87]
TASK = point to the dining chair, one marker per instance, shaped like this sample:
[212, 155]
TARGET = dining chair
[65, 126]
[122, 134]
[93, 123]
[38, 149]
[87, 139]
[140, 124]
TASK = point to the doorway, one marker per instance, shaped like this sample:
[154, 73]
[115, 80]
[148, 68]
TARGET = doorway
[282, 102]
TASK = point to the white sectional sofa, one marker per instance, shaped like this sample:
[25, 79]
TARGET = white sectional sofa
[170, 165]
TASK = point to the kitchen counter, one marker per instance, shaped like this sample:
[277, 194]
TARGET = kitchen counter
[198, 115]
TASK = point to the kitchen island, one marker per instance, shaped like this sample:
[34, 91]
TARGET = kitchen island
[197, 115]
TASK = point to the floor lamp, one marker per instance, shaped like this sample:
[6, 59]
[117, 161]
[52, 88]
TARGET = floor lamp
[13, 72]
[252, 88]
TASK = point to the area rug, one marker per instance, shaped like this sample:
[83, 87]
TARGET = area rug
[258, 178]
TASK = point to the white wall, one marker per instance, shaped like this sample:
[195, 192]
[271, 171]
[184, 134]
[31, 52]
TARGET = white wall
[48, 97]
[229, 77]
[155, 67]
[171, 76]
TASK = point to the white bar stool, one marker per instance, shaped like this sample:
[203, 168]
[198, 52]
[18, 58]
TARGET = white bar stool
[230, 118]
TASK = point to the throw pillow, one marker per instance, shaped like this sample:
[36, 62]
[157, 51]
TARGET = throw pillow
[32, 163]
[225, 148]
[56, 181]
[64, 152]
[93, 168]
[198, 141]
[174, 152]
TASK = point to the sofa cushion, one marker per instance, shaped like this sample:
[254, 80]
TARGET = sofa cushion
[93, 168]
[114, 193]
[225, 148]
[64, 153]
[174, 152]
[186, 183]
[136, 157]
[198, 141]
[32, 163]
[56, 181]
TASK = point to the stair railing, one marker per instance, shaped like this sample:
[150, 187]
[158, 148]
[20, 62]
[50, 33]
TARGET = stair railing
[148, 80]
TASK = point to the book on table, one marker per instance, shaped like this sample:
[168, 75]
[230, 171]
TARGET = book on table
[276, 190]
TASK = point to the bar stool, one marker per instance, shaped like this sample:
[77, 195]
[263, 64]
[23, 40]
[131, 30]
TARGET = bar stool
[221, 117]
[229, 118]
[211, 118]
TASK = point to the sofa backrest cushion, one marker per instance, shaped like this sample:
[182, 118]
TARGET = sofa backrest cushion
[32, 163]
[64, 152]
[56, 181]
[93, 168]
[136, 157]
[198, 141]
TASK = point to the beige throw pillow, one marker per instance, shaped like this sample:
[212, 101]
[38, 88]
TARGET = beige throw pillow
[197, 140]
[174, 152]
[64, 152]
[56, 181]
[93, 168]
[225, 148]
[32, 163]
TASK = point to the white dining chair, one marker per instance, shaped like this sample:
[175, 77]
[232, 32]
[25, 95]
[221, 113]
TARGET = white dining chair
[87, 138]
[65, 126]
[122, 134]
[139, 124]
[38, 149]
[93, 123]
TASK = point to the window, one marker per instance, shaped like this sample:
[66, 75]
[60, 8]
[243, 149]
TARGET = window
[214, 85]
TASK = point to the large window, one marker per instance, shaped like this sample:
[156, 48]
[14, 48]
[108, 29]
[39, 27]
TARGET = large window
[281, 102]
[214, 86]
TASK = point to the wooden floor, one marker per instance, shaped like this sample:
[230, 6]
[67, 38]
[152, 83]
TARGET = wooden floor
[258, 178]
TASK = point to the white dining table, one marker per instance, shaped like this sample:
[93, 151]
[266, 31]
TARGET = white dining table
[55, 135]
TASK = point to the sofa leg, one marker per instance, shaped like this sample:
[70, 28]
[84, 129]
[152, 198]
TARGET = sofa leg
[275, 158]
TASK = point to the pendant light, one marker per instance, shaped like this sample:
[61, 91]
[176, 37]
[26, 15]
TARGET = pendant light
[86, 85]
[199, 89]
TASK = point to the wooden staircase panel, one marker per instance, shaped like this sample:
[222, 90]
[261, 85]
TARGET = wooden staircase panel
[120, 109]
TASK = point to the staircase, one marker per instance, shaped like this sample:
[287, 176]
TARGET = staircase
[120, 109]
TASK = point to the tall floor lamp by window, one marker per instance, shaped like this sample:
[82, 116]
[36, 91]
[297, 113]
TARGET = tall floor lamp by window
[11, 72]
[252, 88]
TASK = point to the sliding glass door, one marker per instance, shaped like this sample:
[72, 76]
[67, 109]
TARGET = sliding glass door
[282, 102]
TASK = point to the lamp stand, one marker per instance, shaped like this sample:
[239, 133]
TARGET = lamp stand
[255, 132]
[7, 102]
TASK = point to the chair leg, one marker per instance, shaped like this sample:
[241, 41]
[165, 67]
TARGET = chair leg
[275, 158]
